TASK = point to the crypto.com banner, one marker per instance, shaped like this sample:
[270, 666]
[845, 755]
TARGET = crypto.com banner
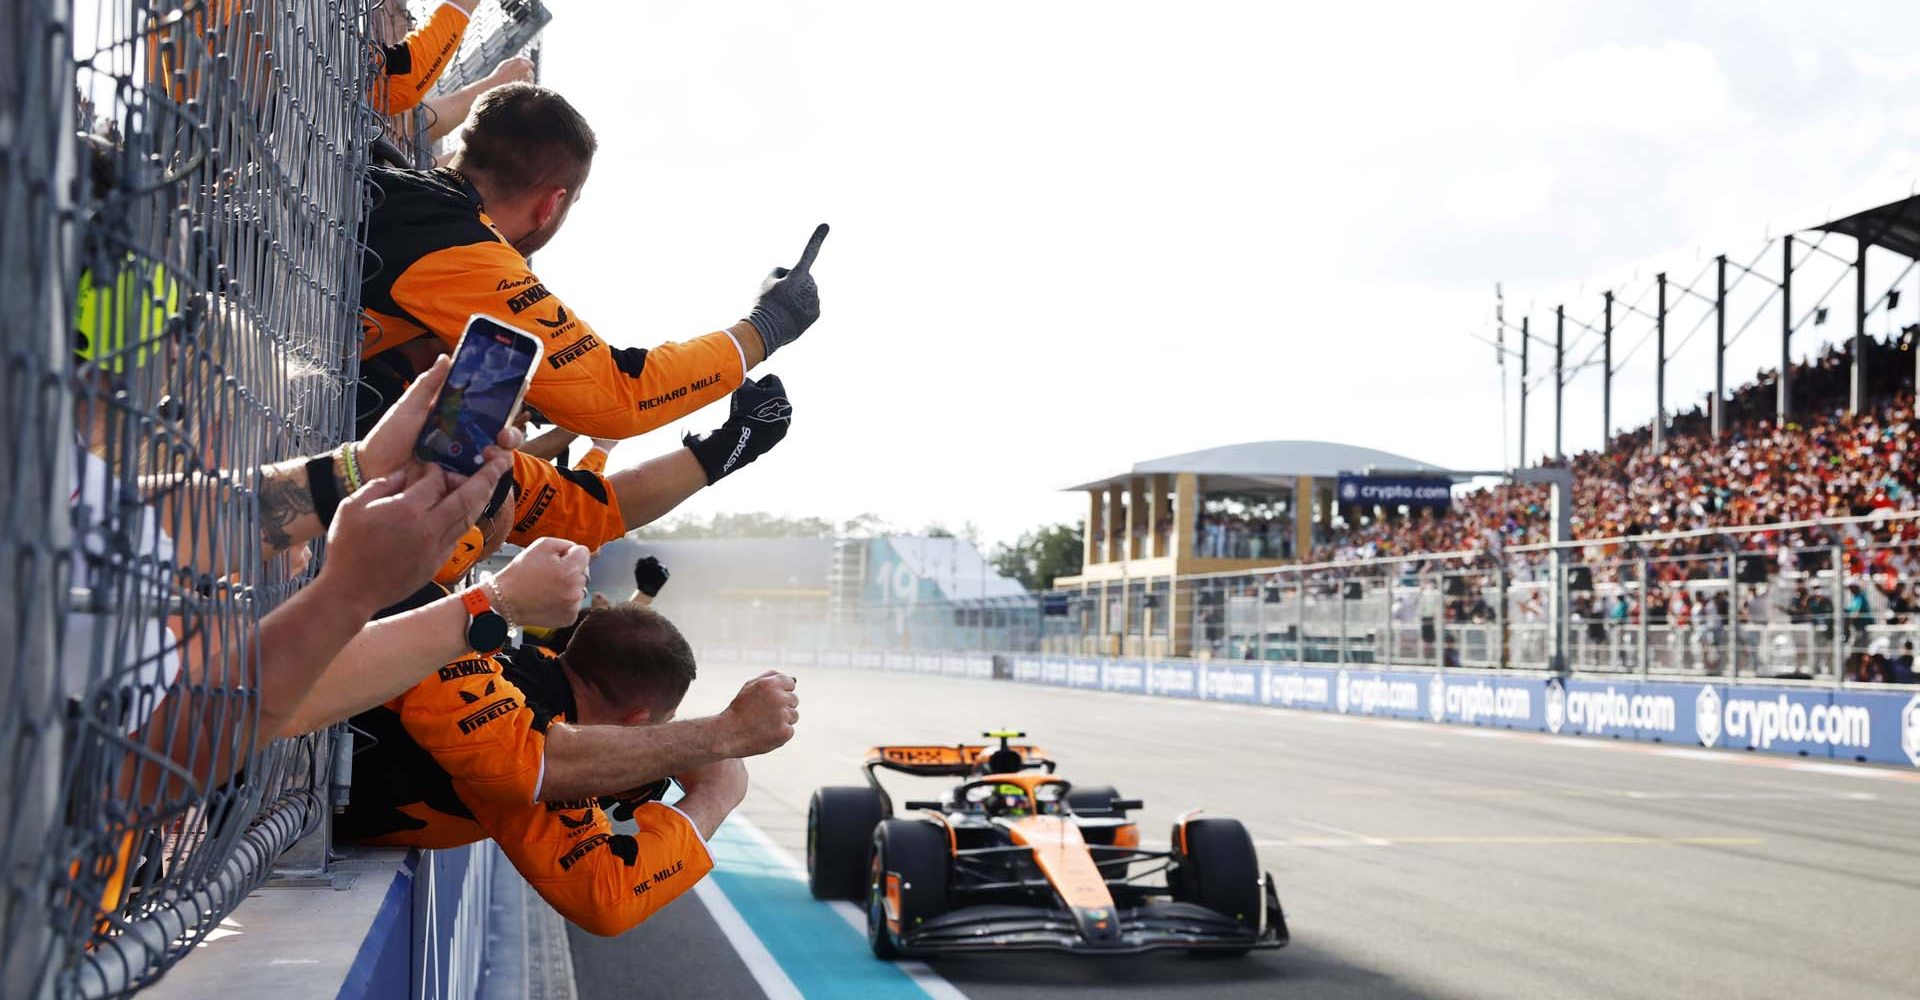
[1878, 726]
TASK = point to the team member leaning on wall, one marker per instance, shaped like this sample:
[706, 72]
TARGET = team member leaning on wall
[460, 758]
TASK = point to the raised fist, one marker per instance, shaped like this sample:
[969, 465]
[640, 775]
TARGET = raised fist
[543, 585]
[762, 715]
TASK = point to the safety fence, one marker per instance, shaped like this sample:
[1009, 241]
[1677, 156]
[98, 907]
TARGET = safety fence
[1806, 720]
[1836, 599]
[1845, 611]
[182, 285]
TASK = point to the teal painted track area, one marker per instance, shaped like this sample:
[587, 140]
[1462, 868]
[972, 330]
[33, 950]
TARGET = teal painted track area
[1414, 860]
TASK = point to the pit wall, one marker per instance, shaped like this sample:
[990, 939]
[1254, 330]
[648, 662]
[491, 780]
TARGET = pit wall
[1850, 724]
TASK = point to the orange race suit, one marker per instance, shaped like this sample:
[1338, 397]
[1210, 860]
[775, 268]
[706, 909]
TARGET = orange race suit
[459, 758]
[415, 63]
[577, 505]
[434, 258]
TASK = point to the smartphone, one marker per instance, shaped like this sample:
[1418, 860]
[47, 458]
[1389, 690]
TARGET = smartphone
[492, 368]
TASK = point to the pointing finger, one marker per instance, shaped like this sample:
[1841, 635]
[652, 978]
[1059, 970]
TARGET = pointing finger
[813, 248]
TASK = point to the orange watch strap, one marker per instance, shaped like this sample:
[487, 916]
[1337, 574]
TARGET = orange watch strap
[476, 600]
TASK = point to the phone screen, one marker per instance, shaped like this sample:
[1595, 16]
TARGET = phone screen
[490, 373]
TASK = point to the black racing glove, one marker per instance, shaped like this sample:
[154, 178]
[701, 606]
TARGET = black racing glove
[649, 576]
[757, 422]
[789, 301]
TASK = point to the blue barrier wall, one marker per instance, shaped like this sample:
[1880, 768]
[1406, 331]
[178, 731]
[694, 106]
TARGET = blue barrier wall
[1841, 724]
[426, 942]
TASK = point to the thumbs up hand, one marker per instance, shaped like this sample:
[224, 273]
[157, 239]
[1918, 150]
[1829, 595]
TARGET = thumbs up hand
[789, 301]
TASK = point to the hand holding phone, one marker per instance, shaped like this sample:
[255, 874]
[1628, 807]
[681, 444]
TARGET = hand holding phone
[492, 369]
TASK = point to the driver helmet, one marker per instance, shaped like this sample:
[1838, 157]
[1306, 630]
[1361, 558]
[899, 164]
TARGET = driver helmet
[1010, 800]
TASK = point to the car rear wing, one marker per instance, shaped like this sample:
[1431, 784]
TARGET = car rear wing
[958, 760]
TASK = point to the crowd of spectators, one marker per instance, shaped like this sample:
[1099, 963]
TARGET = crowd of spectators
[1825, 464]
[1235, 527]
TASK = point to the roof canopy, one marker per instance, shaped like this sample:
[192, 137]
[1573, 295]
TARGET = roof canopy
[1259, 464]
[1895, 225]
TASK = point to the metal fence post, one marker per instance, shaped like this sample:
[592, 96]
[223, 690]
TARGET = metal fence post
[1733, 614]
[1391, 649]
[1839, 622]
[1646, 599]
[1340, 591]
[1500, 616]
[1300, 617]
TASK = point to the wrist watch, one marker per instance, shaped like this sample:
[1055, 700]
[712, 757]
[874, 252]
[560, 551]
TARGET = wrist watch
[486, 630]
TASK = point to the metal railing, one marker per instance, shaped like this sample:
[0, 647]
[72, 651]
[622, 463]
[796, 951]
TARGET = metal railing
[1832, 601]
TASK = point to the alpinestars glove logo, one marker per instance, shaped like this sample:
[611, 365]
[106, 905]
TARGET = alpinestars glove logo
[773, 411]
[746, 433]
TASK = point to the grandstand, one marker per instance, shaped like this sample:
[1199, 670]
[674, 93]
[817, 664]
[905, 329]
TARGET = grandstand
[1217, 510]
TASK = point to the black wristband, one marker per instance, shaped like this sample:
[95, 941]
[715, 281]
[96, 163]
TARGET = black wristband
[323, 488]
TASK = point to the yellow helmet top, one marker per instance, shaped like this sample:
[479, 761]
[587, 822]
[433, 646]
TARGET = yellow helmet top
[117, 326]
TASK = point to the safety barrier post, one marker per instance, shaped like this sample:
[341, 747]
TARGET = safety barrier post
[1733, 614]
[1392, 648]
[1300, 618]
[1340, 591]
[1838, 619]
[1500, 616]
[1646, 599]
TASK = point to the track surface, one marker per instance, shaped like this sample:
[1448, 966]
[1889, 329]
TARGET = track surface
[1413, 860]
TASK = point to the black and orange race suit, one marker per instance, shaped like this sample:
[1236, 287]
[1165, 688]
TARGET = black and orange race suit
[459, 758]
[178, 50]
[415, 63]
[578, 505]
[434, 259]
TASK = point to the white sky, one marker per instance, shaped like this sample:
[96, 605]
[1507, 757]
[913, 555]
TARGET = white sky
[1071, 236]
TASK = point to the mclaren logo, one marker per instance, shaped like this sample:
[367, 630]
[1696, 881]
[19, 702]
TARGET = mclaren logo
[526, 300]
[582, 849]
[572, 352]
[505, 284]
[494, 710]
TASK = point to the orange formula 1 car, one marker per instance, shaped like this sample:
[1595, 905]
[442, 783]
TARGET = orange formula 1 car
[1015, 858]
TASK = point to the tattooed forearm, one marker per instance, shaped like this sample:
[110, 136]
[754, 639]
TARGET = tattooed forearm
[284, 499]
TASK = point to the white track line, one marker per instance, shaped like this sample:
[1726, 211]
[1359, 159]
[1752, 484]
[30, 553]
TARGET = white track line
[929, 981]
[760, 962]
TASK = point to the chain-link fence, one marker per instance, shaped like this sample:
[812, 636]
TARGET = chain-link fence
[182, 189]
[181, 192]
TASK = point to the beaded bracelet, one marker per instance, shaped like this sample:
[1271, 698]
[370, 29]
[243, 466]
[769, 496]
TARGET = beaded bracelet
[352, 465]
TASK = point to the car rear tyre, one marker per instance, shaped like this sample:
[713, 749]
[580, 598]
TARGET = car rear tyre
[840, 824]
[1218, 869]
[1094, 801]
[917, 852]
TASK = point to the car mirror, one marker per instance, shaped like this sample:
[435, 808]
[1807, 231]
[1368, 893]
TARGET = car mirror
[1122, 805]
